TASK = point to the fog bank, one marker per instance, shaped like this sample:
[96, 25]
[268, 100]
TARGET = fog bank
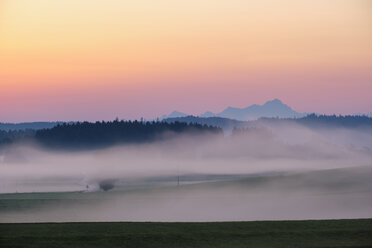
[289, 172]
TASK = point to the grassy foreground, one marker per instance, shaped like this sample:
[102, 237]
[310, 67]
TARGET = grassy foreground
[322, 233]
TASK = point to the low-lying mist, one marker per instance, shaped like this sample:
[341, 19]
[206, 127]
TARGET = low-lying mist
[286, 172]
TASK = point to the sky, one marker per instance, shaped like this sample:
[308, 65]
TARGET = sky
[98, 60]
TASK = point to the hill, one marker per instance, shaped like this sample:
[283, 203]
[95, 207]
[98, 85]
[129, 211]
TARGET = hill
[27, 125]
[324, 121]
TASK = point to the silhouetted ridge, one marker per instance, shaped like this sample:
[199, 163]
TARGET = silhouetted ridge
[273, 108]
[313, 120]
[27, 125]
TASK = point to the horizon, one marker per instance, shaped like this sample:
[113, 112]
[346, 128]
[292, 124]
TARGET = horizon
[166, 115]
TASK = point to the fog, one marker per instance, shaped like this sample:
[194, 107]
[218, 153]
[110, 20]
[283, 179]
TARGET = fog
[282, 172]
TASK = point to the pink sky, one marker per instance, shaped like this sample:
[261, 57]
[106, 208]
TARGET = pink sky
[95, 60]
[305, 92]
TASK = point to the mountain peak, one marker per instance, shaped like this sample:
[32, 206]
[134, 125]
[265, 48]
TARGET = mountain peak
[273, 108]
[207, 114]
[177, 114]
[276, 101]
[174, 114]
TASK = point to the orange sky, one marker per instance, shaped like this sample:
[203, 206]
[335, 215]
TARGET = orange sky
[93, 59]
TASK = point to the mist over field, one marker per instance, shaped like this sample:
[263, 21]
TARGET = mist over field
[282, 172]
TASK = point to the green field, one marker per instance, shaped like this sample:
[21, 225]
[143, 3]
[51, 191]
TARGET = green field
[315, 233]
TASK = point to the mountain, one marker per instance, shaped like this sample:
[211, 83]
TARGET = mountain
[270, 109]
[174, 114]
[274, 108]
[207, 114]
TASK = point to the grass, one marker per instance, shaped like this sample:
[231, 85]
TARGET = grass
[314, 233]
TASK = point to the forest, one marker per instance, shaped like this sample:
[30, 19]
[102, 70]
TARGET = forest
[100, 134]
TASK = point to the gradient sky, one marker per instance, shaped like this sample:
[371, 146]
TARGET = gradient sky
[95, 60]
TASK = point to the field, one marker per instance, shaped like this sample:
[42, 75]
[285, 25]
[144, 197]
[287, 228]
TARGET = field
[197, 215]
[325, 194]
[315, 233]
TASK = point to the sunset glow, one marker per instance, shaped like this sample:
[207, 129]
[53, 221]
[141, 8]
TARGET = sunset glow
[94, 60]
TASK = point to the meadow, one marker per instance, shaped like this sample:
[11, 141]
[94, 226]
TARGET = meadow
[314, 233]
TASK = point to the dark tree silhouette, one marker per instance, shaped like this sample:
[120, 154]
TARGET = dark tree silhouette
[7, 137]
[314, 120]
[100, 134]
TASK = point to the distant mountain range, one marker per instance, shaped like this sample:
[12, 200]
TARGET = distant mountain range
[227, 119]
[274, 108]
[174, 114]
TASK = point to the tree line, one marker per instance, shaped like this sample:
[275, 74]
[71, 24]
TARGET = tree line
[314, 120]
[10, 136]
[98, 134]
